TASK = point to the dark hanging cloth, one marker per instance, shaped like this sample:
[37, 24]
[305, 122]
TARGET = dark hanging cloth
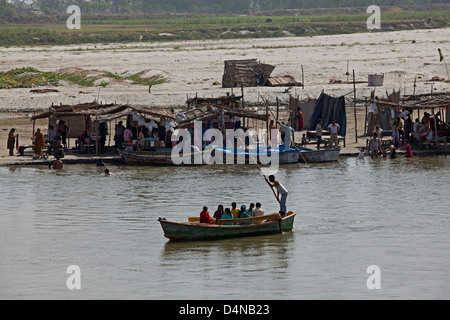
[328, 108]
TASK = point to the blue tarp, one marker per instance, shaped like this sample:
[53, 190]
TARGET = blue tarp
[328, 108]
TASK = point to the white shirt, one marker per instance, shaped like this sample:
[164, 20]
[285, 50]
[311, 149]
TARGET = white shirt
[257, 212]
[334, 128]
[281, 189]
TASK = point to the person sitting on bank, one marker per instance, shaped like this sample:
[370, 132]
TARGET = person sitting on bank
[58, 151]
[304, 140]
[205, 217]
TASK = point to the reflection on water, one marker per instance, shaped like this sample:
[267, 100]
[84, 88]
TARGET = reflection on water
[350, 214]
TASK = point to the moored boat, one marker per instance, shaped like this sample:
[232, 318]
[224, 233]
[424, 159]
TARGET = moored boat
[293, 155]
[228, 228]
[160, 156]
[324, 155]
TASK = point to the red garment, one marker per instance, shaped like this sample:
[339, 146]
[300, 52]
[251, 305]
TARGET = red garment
[299, 117]
[408, 151]
[205, 217]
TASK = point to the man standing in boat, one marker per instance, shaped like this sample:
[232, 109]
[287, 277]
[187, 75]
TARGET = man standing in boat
[280, 190]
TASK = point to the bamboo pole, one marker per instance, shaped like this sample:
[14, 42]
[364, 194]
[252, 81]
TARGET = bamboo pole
[267, 123]
[365, 118]
[303, 79]
[278, 110]
[262, 173]
[435, 128]
[354, 107]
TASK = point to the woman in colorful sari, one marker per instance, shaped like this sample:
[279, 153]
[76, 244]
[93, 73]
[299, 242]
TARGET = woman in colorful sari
[39, 142]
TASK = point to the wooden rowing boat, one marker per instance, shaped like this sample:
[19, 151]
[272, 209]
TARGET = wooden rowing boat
[157, 157]
[293, 155]
[324, 155]
[227, 228]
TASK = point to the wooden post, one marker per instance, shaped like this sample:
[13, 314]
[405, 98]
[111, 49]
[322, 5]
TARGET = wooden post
[347, 74]
[278, 110]
[303, 79]
[223, 122]
[435, 128]
[96, 137]
[365, 119]
[354, 106]
[267, 123]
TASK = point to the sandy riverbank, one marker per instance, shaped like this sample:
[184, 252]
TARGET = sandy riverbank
[192, 67]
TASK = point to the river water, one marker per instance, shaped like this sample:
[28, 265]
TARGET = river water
[391, 213]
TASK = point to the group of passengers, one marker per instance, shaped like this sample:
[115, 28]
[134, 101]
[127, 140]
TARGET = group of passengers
[234, 212]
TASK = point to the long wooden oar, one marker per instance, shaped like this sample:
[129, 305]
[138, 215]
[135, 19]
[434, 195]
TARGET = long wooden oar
[256, 162]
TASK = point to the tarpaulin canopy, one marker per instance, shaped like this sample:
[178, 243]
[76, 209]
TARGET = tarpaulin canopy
[328, 108]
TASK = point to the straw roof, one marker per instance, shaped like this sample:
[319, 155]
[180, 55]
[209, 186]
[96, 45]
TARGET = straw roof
[425, 101]
[101, 112]
[209, 112]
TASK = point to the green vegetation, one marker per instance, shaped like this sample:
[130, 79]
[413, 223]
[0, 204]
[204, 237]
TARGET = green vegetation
[142, 26]
[138, 78]
[212, 6]
[27, 78]
[30, 77]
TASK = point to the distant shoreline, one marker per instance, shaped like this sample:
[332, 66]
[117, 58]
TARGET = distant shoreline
[107, 28]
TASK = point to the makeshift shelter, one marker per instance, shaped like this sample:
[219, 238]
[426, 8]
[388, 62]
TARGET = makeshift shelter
[228, 101]
[90, 117]
[222, 112]
[437, 103]
[87, 116]
[247, 72]
[328, 108]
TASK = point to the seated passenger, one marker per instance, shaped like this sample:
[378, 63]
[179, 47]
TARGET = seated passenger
[258, 211]
[227, 215]
[205, 217]
[234, 211]
[219, 212]
[244, 213]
